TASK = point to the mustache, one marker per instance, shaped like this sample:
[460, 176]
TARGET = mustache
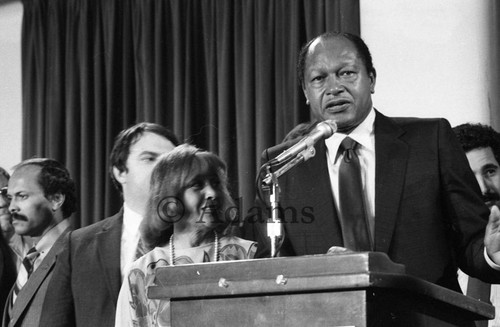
[19, 217]
[488, 197]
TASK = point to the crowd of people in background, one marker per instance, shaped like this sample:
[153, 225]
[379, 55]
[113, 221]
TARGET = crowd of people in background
[418, 202]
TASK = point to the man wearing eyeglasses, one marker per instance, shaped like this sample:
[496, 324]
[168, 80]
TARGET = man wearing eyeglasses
[19, 244]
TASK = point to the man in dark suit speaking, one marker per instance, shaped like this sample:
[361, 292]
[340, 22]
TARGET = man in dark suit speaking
[89, 272]
[416, 198]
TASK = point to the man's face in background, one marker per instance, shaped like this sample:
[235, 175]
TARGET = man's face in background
[5, 218]
[486, 169]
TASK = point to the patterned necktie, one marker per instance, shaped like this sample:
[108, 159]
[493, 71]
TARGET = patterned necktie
[25, 270]
[140, 250]
[480, 291]
[353, 218]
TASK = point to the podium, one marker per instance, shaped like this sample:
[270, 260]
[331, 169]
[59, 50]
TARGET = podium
[356, 289]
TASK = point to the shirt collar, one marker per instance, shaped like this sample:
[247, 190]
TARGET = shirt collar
[131, 220]
[51, 236]
[363, 134]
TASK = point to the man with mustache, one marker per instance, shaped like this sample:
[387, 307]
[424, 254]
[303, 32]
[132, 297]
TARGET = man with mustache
[481, 144]
[42, 197]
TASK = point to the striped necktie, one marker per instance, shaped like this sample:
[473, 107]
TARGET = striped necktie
[25, 270]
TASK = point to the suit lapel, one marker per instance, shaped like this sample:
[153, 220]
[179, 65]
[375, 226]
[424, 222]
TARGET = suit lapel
[36, 279]
[7, 309]
[391, 161]
[108, 253]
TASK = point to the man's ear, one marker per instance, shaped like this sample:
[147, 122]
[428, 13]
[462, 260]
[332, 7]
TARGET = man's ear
[57, 200]
[373, 79]
[119, 175]
[305, 94]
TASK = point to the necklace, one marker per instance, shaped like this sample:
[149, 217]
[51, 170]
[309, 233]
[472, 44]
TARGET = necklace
[172, 250]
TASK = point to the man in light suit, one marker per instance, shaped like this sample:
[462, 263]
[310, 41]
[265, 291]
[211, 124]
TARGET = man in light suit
[42, 198]
[481, 144]
[90, 270]
[422, 205]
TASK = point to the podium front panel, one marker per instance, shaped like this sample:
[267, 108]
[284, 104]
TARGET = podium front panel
[317, 309]
[360, 289]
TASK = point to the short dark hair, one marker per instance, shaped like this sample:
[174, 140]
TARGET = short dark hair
[4, 173]
[126, 138]
[359, 44]
[474, 136]
[169, 179]
[54, 178]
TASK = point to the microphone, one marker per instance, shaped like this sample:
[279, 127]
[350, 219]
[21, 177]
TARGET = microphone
[323, 130]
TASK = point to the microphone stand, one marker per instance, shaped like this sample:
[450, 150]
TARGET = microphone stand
[274, 227]
[274, 224]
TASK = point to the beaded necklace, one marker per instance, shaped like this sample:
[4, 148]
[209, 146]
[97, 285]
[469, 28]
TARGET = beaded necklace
[172, 251]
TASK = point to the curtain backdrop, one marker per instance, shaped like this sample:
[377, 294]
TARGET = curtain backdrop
[219, 73]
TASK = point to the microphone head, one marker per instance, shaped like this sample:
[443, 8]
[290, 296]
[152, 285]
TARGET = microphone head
[328, 127]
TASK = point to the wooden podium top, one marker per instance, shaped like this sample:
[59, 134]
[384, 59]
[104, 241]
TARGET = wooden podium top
[315, 273]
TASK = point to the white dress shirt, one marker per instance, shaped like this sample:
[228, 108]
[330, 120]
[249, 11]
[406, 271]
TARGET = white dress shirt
[130, 237]
[47, 241]
[20, 245]
[364, 135]
[43, 246]
[463, 280]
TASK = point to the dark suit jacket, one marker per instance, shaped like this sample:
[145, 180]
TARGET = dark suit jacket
[28, 306]
[87, 278]
[8, 272]
[428, 212]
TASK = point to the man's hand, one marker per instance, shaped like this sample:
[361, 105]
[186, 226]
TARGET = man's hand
[492, 235]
